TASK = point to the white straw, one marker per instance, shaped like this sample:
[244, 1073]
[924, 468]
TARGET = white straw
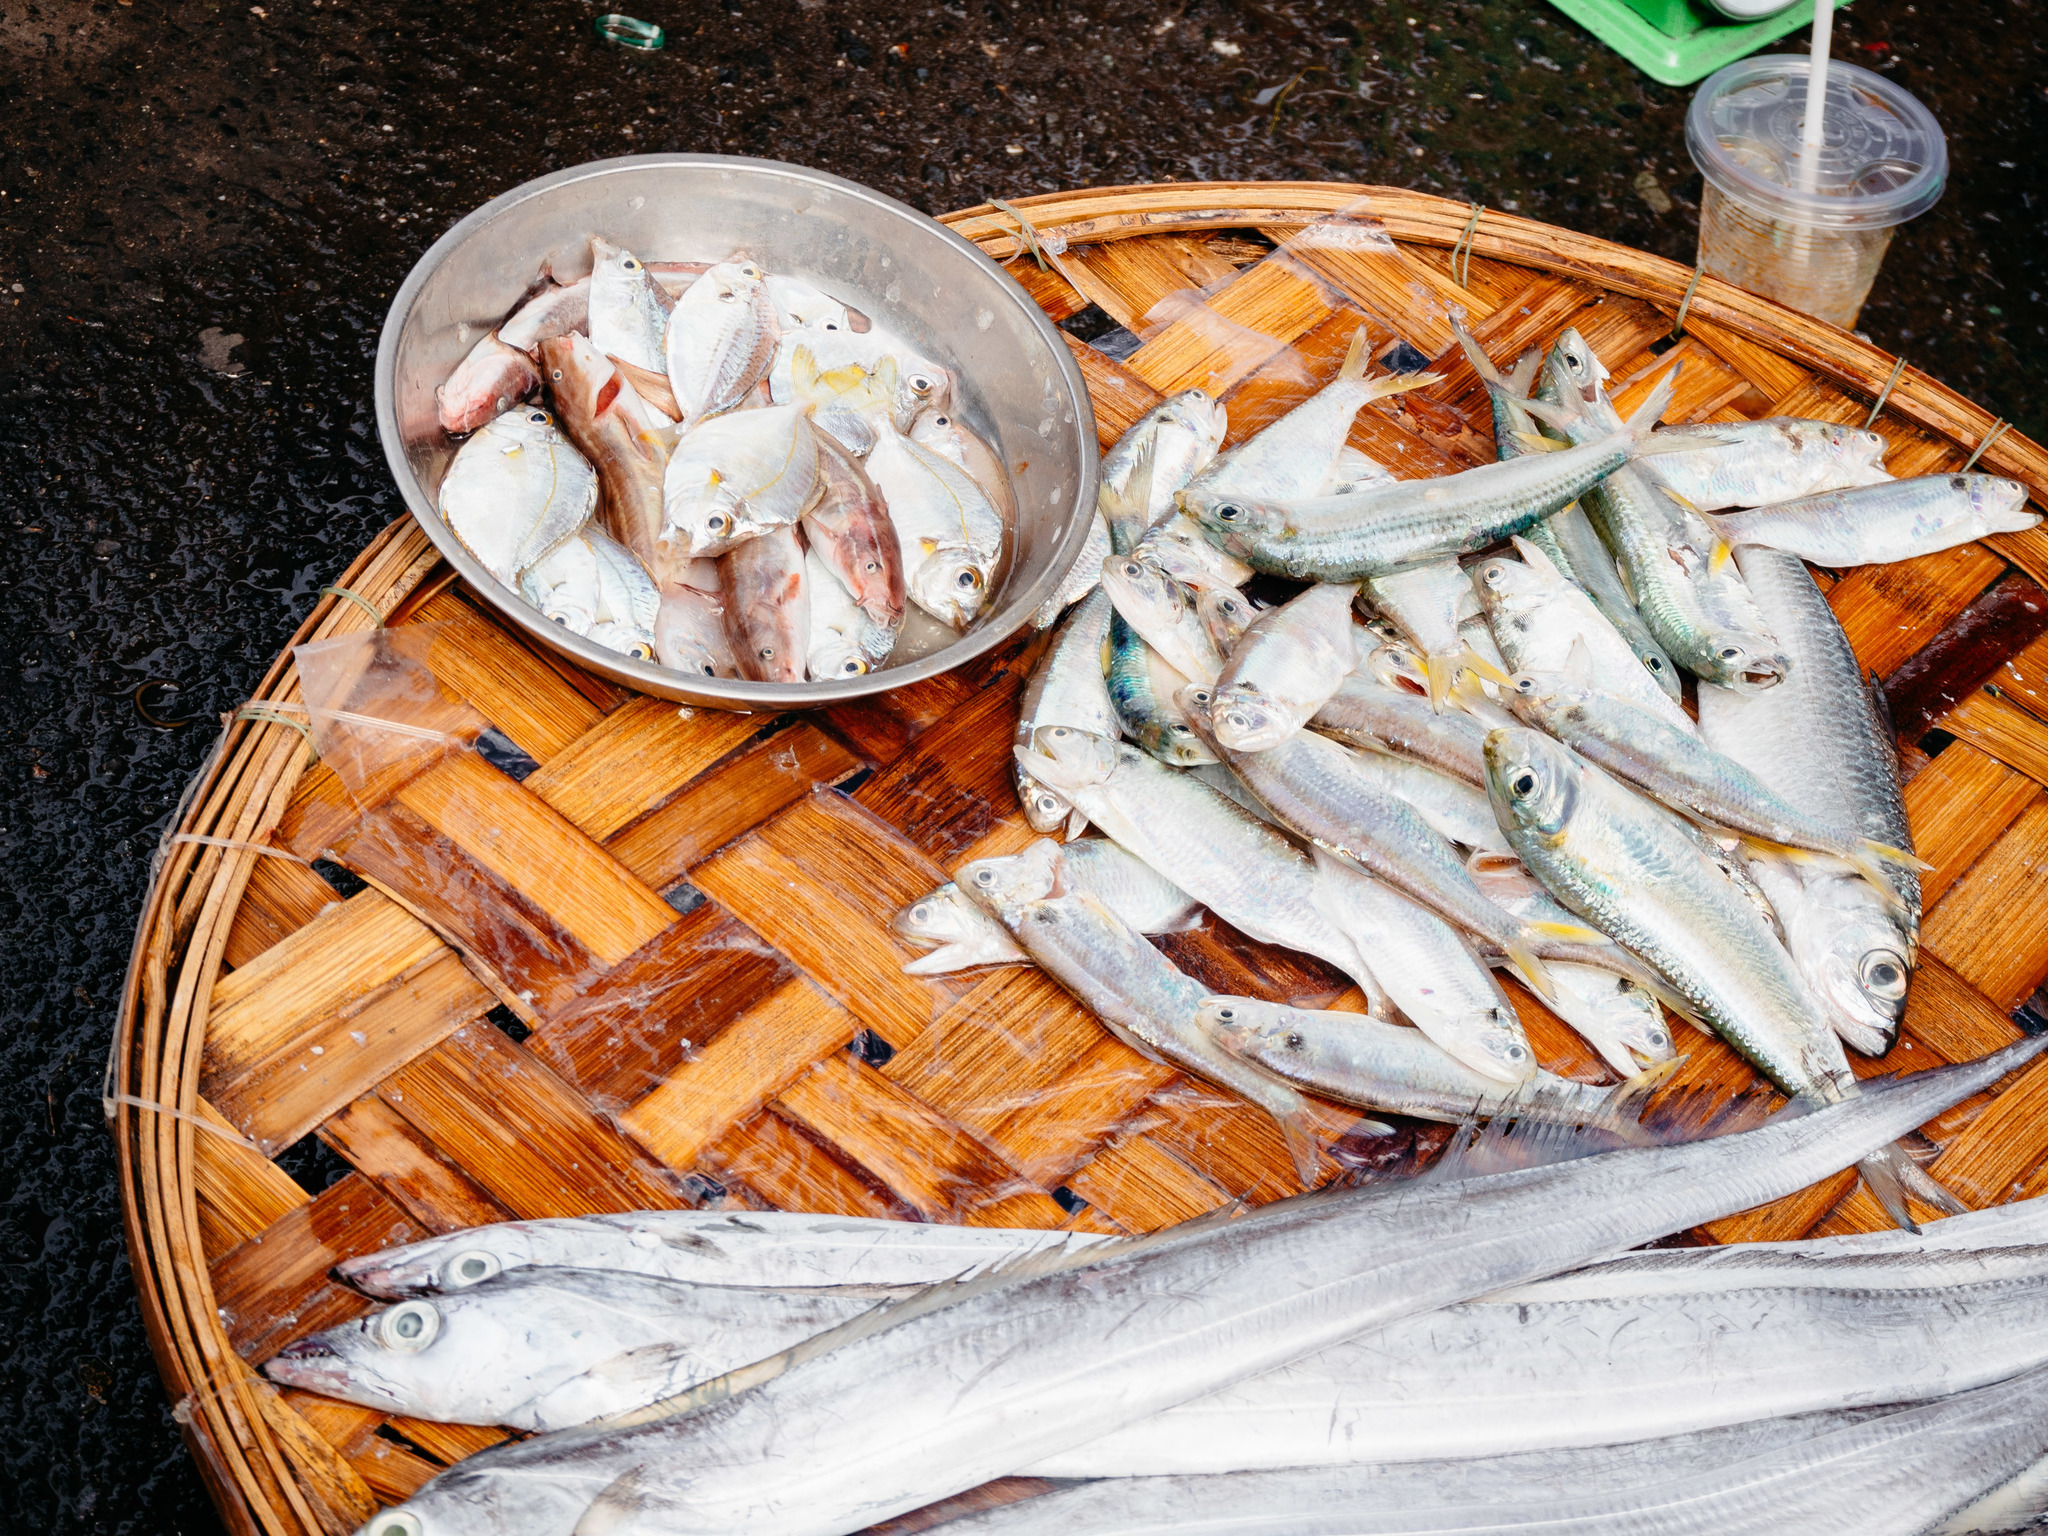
[1816, 95]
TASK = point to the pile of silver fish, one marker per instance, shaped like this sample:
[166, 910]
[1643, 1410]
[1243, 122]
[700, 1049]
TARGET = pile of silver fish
[1476, 1349]
[739, 476]
[1465, 746]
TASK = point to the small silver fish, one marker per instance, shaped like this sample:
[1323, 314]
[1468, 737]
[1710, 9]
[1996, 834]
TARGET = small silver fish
[1289, 664]
[515, 490]
[1878, 524]
[721, 337]
[737, 476]
[1778, 458]
[628, 309]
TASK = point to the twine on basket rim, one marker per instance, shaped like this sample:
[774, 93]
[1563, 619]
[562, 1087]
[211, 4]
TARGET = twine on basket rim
[1998, 429]
[1464, 248]
[1026, 231]
[1890, 384]
[237, 843]
[1684, 304]
[362, 602]
[270, 714]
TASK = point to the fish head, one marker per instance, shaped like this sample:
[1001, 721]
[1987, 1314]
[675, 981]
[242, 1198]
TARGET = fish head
[1532, 781]
[1492, 1034]
[563, 585]
[1998, 504]
[1011, 880]
[952, 584]
[1237, 521]
[581, 380]
[1202, 416]
[920, 387]
[689, 633]
[799, 306]
[1137, 586]
[1068, 761]
[835, 656]
[383, 1359]
[1854, 957]
[1745, 662]
[525, 426]
[1856, 449]
[1573, 367]
[628, 639]
[944, 916]
[1045, 810]
[1505, 586]
[451, 1263]
[1258, 1031]
[485, 385]
[1533, 696]
[703, 512]
[1226, 614]
[1246, 720]
[1394, 664]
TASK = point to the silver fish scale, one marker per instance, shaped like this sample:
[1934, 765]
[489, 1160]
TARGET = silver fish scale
[1816, 738]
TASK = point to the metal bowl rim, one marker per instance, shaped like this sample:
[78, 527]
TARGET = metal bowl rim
[646, 677]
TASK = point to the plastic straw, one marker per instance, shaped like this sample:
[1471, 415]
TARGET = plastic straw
[1816, 95]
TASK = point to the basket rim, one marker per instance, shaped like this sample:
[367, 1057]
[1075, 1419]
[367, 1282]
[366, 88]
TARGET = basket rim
[236, 1448]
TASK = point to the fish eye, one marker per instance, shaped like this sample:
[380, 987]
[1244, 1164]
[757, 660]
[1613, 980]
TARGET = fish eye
[968, 580]
[767, 653]
[1654, 663]
[1230, 512]
[1048, 803]
[630, 264]
[1658, 1038]
[1883, 975]
[920, 913]
[871, 565]
[1227, 1015]
[1133, 570]
[717, 522]
[853, 666]
[394, 1522]
[539, 418]
[709, 669]
[1201, 695]
[1517, 1052]
[640, 650]
[556, 374]
[1729, 652]
[1294, 1040]
[471, 1268]
[941, 421]
[409, 1327]
[830, 325]
[1237, 720]
[1525, 784]
[1060, 732]
[1525, 685]
[984, 878]
[921, 383]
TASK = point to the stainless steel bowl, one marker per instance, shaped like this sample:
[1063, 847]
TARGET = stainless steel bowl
[1018, 385]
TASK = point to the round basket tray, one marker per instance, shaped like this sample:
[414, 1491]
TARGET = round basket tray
[634, 956]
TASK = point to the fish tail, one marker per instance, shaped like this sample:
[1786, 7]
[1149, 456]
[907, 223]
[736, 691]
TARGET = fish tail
[1355, 359]
[1655, 404]
[1646, 1082]
[1442, 671]
[1476, 356]
[1717, 562]
[1536, 442]
[1880, 1177]
[1473, 661]
[1904, 857]
[1400, 384]
[1621, 1108]
[1532, 970]
[1302, 1145]
[1077, 823]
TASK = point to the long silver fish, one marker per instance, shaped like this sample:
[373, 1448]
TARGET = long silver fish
[1388, 528]
[1145, 689]
[1623, 865]
[746, 1249]
[1877, 524]
[1824, 743]
[1289, 664]
[628, 309]
[1182, 434]
[1770, 460]
[978, 1380]
[1129, 985]
[961, 934]
[515, 490]
[1882, 1474]
[545, 1349]
[1067, 688]
[1382, 717]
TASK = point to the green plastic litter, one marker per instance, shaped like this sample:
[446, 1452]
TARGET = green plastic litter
[1678, 42]
[629, 32]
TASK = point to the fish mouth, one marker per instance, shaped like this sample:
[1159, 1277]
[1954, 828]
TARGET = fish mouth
[369, 1279]
[310, 1364]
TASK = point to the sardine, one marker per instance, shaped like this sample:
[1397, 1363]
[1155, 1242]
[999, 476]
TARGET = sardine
[737, 476]
[1129, 985]
[689, 627]
[949, 533]
[1539, 618]
[515, 490]
[1145, 690]
[758, 1249]
[721, 337]
[1887, 1473]
[1623, 865]
[962, 934]
[1381, 717]
[1229, 860]
[547, 1349]
[1164, 613]
[1289, 664]
[1388, 528]
[1295, 456]
[843, 641]
[767, 610]
[1066, 688]
[1427, 604]
[1226, 613]
[851, 530]
[1877, 524]
[1182, 434]
[979, 1380]
[628, 309]
[1823, 741]
[1771, 460]
[625, 439]
[1082, 577]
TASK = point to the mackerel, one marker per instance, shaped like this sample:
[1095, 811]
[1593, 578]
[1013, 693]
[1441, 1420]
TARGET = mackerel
[1878, 524]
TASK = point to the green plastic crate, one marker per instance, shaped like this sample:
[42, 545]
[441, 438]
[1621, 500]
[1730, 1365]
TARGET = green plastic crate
[1680, 41]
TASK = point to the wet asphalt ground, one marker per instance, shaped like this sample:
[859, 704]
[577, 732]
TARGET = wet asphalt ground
[204, 209]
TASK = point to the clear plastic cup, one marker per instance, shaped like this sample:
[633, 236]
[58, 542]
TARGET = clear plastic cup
[1811, 237]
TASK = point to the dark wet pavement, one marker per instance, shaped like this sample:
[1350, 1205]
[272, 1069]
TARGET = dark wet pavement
[205, 207]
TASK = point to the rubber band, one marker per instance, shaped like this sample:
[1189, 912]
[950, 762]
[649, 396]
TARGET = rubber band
[1026, 232]
[1684, 304]
[376, 617]
[1998, 429]
[1877, 406]
[229, 842]
[1464, 248]
[269, 715]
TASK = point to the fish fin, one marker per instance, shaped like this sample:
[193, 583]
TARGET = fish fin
[1523, 375]
[1682, 501]
[1866, 861]
[1549, 414]
[1533, 554]
[803, 369]
[1471, 661]
[1400, 384]
[1514, 1139]
[1077, 823]
[617, 1506]
[1923, 1186]
[1481, 363]
[1901, 856]
[1642, 1084]
[1127, 511]
[1302, 1145]
[1570, 933]
[1441, 671]
[1880, 1177]
[1655, 404]
[1533, 971]
[1355, 359]
[948, 958]
[1578, 664]
[1536, 442]
[1717, 562]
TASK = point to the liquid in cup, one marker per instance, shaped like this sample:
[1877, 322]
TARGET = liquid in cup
[1810, 237]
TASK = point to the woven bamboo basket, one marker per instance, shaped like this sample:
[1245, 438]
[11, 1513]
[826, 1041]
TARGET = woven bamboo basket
[665, 978]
